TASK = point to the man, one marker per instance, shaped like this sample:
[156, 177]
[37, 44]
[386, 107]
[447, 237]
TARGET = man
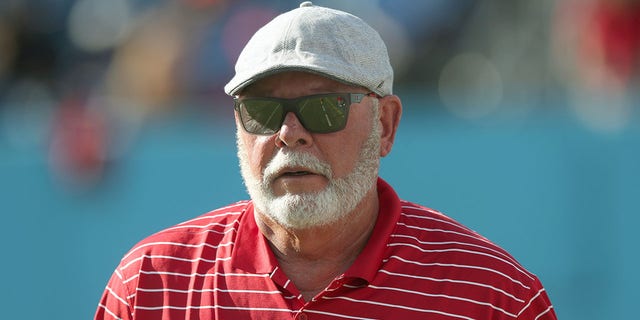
[322, 237]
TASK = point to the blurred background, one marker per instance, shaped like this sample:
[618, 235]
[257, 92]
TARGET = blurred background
[522, 120]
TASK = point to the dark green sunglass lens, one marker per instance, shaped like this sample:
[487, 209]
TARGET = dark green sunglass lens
[261, 116]
[323, 114]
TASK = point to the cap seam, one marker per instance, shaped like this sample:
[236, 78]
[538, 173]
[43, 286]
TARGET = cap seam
[284, 41]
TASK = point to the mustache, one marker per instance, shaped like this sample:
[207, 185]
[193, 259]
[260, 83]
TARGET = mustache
[283, 160]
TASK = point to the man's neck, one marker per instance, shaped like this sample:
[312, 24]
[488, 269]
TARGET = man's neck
[313, 257]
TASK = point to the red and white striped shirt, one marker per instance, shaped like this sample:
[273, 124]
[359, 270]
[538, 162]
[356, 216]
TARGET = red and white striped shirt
[418, 264]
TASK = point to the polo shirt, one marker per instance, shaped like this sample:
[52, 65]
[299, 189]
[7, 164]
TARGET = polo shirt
[417, 264]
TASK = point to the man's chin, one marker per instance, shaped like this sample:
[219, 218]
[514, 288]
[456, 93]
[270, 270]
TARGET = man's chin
[295, 195]
[308, 185]
[299, 211]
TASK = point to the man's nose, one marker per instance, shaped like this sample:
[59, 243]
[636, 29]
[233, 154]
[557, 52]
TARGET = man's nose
[292, 133]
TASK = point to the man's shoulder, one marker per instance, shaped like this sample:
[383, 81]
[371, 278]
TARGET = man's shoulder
[438, 224]
[212, 229]
[437, 239]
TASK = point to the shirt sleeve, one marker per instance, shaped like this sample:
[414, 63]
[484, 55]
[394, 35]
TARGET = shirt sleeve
[539, 306]
[115, 302]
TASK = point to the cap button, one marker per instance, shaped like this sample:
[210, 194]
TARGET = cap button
[306, 4]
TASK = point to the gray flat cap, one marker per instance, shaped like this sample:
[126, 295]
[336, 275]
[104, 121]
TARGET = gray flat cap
[320, 40]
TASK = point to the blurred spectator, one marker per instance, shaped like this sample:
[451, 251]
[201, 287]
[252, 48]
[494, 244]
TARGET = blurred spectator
[611, 40]
[597, 45]
[78, 144]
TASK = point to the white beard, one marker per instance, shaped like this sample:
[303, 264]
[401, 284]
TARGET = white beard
[336, 201]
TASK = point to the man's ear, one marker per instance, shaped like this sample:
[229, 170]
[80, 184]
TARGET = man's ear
[390, 114]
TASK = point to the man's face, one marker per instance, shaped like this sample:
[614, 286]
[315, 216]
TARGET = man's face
[301, 179]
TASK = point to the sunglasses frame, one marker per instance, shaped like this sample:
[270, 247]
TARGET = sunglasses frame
[294, 105]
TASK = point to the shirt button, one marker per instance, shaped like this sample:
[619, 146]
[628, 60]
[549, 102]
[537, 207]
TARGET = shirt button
[302, 316]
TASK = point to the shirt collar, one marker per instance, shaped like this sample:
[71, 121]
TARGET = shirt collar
[369, 260]
[251, 251]
[253, 254]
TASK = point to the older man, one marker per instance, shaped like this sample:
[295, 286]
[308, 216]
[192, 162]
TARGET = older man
[322, 237]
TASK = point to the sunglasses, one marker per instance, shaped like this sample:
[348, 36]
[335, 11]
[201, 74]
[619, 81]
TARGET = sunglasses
[320, 113]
